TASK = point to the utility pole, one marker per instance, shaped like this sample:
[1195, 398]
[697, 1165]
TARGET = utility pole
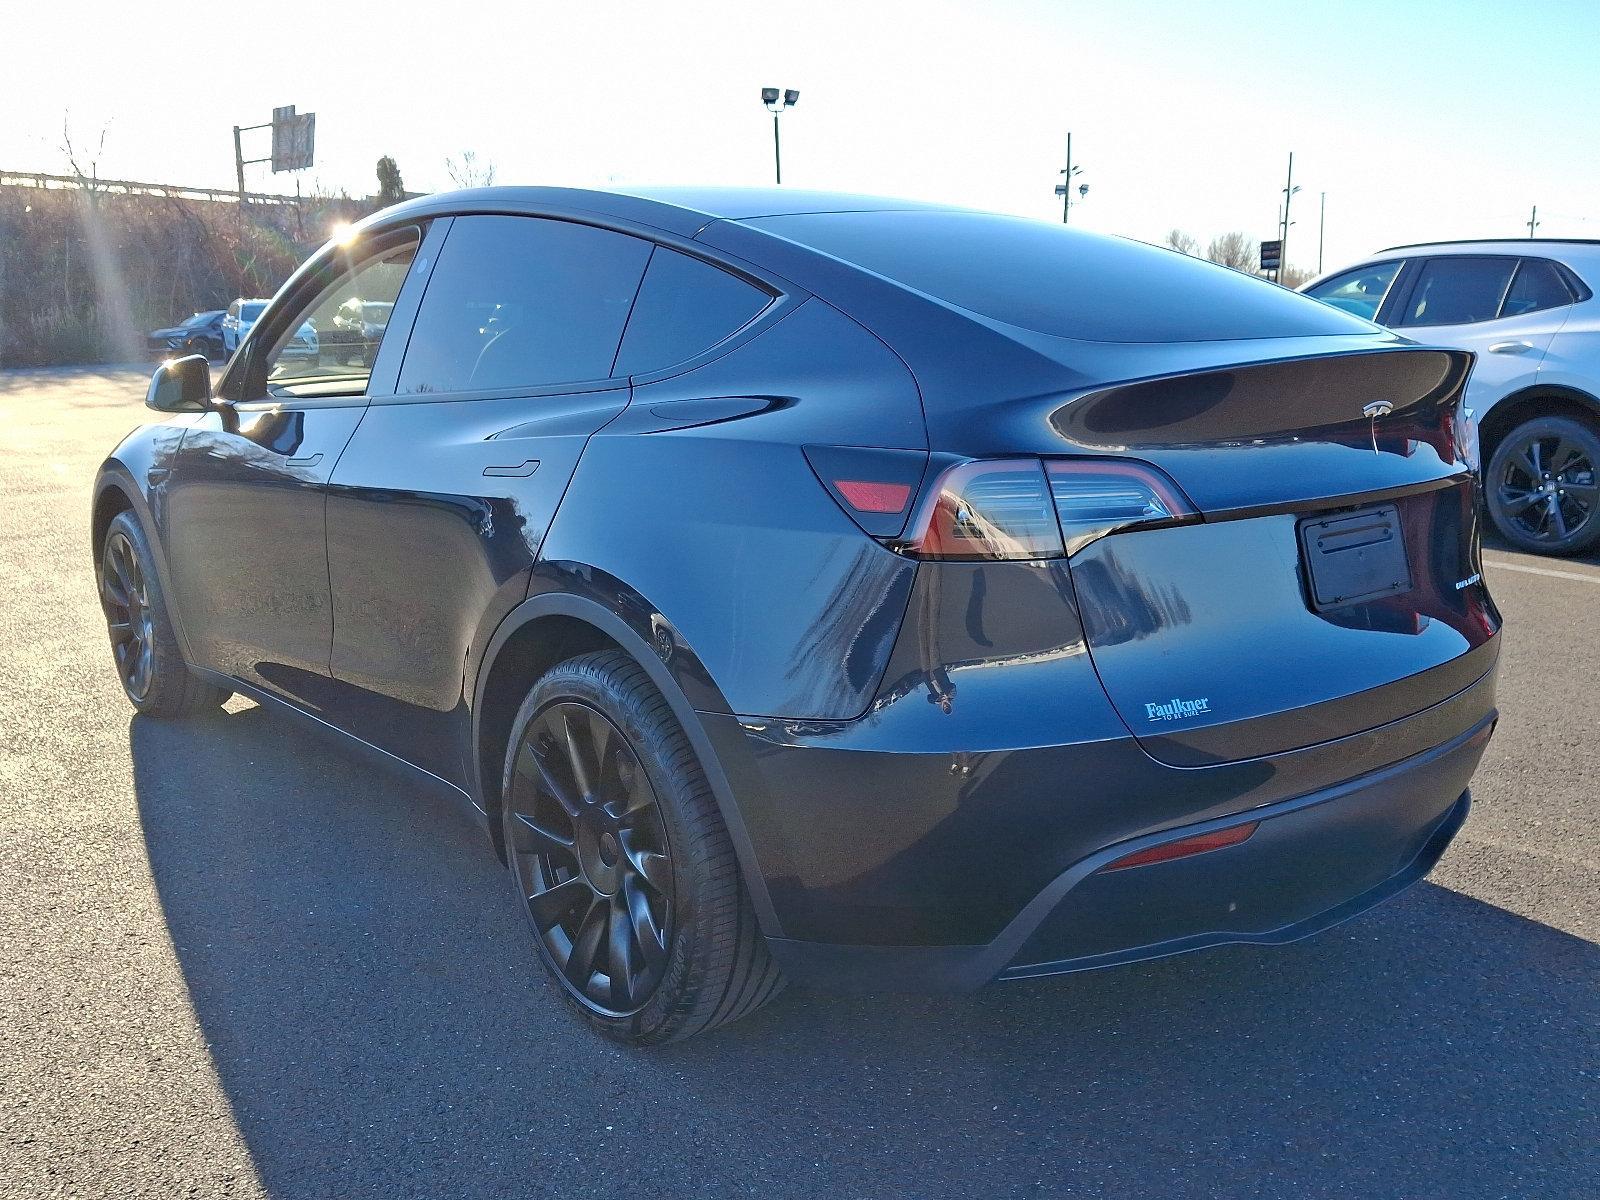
[1322, 228]
[1066, 192]
[238, 164]
[1288, 195]
[1064, 188]
[777, 152]
[1533, 221]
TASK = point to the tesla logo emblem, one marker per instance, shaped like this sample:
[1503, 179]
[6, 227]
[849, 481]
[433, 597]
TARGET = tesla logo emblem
[1378, 408]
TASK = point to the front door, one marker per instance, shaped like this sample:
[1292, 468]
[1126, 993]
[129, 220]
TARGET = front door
[246, 533]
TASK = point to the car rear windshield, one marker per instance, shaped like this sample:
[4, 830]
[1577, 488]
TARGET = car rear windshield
[1066, 282]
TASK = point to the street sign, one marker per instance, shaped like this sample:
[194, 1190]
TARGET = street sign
[294, 137]
[1271, 255]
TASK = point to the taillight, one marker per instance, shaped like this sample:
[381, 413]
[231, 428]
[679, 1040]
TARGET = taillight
[987, 510]
[1026, 508]
[1097, 496]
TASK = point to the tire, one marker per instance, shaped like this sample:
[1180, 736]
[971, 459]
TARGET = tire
[144, 647]
[619, 856]
[1542, 487]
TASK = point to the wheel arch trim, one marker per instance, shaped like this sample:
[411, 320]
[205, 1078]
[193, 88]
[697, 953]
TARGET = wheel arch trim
[614, 626]
[1499, 415]
[115, 476]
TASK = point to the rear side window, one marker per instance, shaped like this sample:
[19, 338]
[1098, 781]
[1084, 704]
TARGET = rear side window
[685, 306]
[1359, 292]
[1457, 291]
[523, 302]
[1538, 285]
[1070, 283]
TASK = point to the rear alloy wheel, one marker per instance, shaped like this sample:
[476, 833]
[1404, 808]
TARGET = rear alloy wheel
[1542, 488]
[621, 860]
[149, 663]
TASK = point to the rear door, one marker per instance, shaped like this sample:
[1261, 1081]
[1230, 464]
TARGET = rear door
[246, 535]
[1504, 309]
[439, 506]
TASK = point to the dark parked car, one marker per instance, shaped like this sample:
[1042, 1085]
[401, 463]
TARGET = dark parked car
[851, 591]
[198, 334]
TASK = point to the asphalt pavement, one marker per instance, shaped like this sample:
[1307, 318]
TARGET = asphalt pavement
[235, 962]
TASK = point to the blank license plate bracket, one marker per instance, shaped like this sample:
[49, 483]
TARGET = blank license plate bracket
[1355, 557]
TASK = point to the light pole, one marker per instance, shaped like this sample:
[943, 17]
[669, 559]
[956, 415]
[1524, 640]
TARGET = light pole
[1322, 228]
[776, 102]
[1064, 188]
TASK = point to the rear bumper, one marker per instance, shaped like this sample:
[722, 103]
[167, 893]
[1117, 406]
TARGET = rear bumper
[1312, 862]
[887, 860]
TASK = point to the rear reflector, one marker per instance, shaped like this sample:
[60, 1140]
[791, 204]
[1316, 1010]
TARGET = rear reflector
[868, 497]
[1185, 847]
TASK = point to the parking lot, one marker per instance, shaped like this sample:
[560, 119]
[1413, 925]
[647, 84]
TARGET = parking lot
[237, 963]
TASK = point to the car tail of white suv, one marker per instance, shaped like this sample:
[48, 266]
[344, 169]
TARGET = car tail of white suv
[1528, 309]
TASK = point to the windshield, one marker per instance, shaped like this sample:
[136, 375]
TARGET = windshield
[250, 312]
[1051, 279]
[198, 319]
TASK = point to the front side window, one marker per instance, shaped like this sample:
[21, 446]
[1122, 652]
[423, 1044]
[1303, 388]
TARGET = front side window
[1457, 291]
[1538, 285]
[321, 353]
[523, 302]
[1359, 292]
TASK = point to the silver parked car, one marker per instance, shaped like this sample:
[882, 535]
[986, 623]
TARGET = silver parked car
[1528, 309]
[240, 318]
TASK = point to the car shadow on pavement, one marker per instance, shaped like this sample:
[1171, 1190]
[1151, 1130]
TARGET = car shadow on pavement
[373, 1009]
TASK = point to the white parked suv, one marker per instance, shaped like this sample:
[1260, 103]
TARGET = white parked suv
[1529, 310]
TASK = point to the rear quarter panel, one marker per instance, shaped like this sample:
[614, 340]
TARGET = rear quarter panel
[790, 608]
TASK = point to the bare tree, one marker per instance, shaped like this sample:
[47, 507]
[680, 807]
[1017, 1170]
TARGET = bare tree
[467, 171]
[1293, 277]
[1237, 250]
[87, 179]
[1184, 243]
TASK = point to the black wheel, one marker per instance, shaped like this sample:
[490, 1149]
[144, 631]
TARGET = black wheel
[149, 662]
[1542, 489]
[620, 857]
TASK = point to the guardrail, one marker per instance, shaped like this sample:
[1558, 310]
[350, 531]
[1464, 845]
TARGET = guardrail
[128, 187]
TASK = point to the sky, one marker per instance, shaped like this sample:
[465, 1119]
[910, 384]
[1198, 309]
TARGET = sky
[1419, 119]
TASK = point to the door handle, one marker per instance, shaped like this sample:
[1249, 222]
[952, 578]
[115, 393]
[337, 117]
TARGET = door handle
[520, 471]
[310, 461]
[1510, 347]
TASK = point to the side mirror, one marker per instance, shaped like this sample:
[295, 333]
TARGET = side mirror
[181, 385]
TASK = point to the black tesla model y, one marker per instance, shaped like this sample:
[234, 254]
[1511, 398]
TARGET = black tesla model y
[815, 587]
